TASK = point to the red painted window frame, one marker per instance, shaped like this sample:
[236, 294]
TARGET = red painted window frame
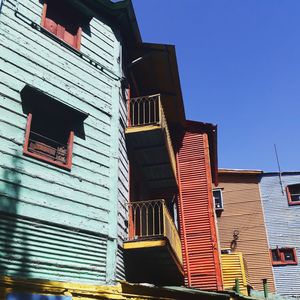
[282, 261]
[289, 197]
[79, 32]
[66, 166]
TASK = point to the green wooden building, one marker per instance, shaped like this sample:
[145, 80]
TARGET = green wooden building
[63, 162]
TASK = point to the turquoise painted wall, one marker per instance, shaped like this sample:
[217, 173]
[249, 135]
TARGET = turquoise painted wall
[56, 224]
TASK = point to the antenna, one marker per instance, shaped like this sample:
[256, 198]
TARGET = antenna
[279, 170]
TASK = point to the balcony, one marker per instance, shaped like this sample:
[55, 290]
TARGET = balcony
[149, 142]
[153, 250]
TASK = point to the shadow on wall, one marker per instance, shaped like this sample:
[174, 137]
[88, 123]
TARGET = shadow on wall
[14, 256]
[23, 296]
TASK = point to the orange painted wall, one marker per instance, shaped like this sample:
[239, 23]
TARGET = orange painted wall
[243, 212]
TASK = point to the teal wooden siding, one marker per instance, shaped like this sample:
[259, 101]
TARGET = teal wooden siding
[123, 192]
[86, 206]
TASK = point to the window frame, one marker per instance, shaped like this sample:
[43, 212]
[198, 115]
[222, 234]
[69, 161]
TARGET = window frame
[43, 21]
[282, 261]
[67, 165]
[289, 195]
[222, 200]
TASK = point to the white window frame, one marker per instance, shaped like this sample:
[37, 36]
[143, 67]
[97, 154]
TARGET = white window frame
[222, 201]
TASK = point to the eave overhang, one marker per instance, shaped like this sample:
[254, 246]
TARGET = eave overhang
[120, 13]
[154, 70]
[240, 171]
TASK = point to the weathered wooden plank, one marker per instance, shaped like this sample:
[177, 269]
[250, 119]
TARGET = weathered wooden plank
[64, 180]
[44, 79]
[58, 53]
[34, 13]
[67, 73]
[72, 220]
[30, 197]
[94, 129]
[39, 51]
[83, 166]
[16, 133]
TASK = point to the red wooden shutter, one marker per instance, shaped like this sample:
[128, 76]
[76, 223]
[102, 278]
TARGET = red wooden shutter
[197, 219]
[70, 38]
[62, 21]
[51, 26]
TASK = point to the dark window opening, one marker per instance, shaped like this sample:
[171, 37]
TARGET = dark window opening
[289, 255]
[293, 194]
[276, 255]
[218, 200]
[63, 20]
[49, 138]
[284, 256]
[50, 129]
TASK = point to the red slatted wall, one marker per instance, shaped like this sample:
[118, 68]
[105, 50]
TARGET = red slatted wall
[197, 220]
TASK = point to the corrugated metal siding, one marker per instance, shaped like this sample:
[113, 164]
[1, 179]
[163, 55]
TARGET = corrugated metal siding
[200, 248]
[233, 268]
[282, 223]
[243, 212]
[86, 197]
[31, 249]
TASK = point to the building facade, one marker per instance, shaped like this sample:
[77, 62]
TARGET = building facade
[241, 223]
[66, 68]
[64, 167]
[102, 177]
[153, 249]
[280, 194]
[171, 159]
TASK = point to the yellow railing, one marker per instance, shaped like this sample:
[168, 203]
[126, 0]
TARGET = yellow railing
[149, 219]
[148, 110]
[170, 231]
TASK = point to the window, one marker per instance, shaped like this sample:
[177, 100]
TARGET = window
[218, 200]
[49, 139]
[63, 20]
[284, 256]
[293, 194]
[51, 127]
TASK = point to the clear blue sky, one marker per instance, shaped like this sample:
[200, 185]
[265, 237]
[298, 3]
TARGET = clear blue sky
[239, 64]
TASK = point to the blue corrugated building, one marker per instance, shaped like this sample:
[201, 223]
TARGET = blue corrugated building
[280, 195]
